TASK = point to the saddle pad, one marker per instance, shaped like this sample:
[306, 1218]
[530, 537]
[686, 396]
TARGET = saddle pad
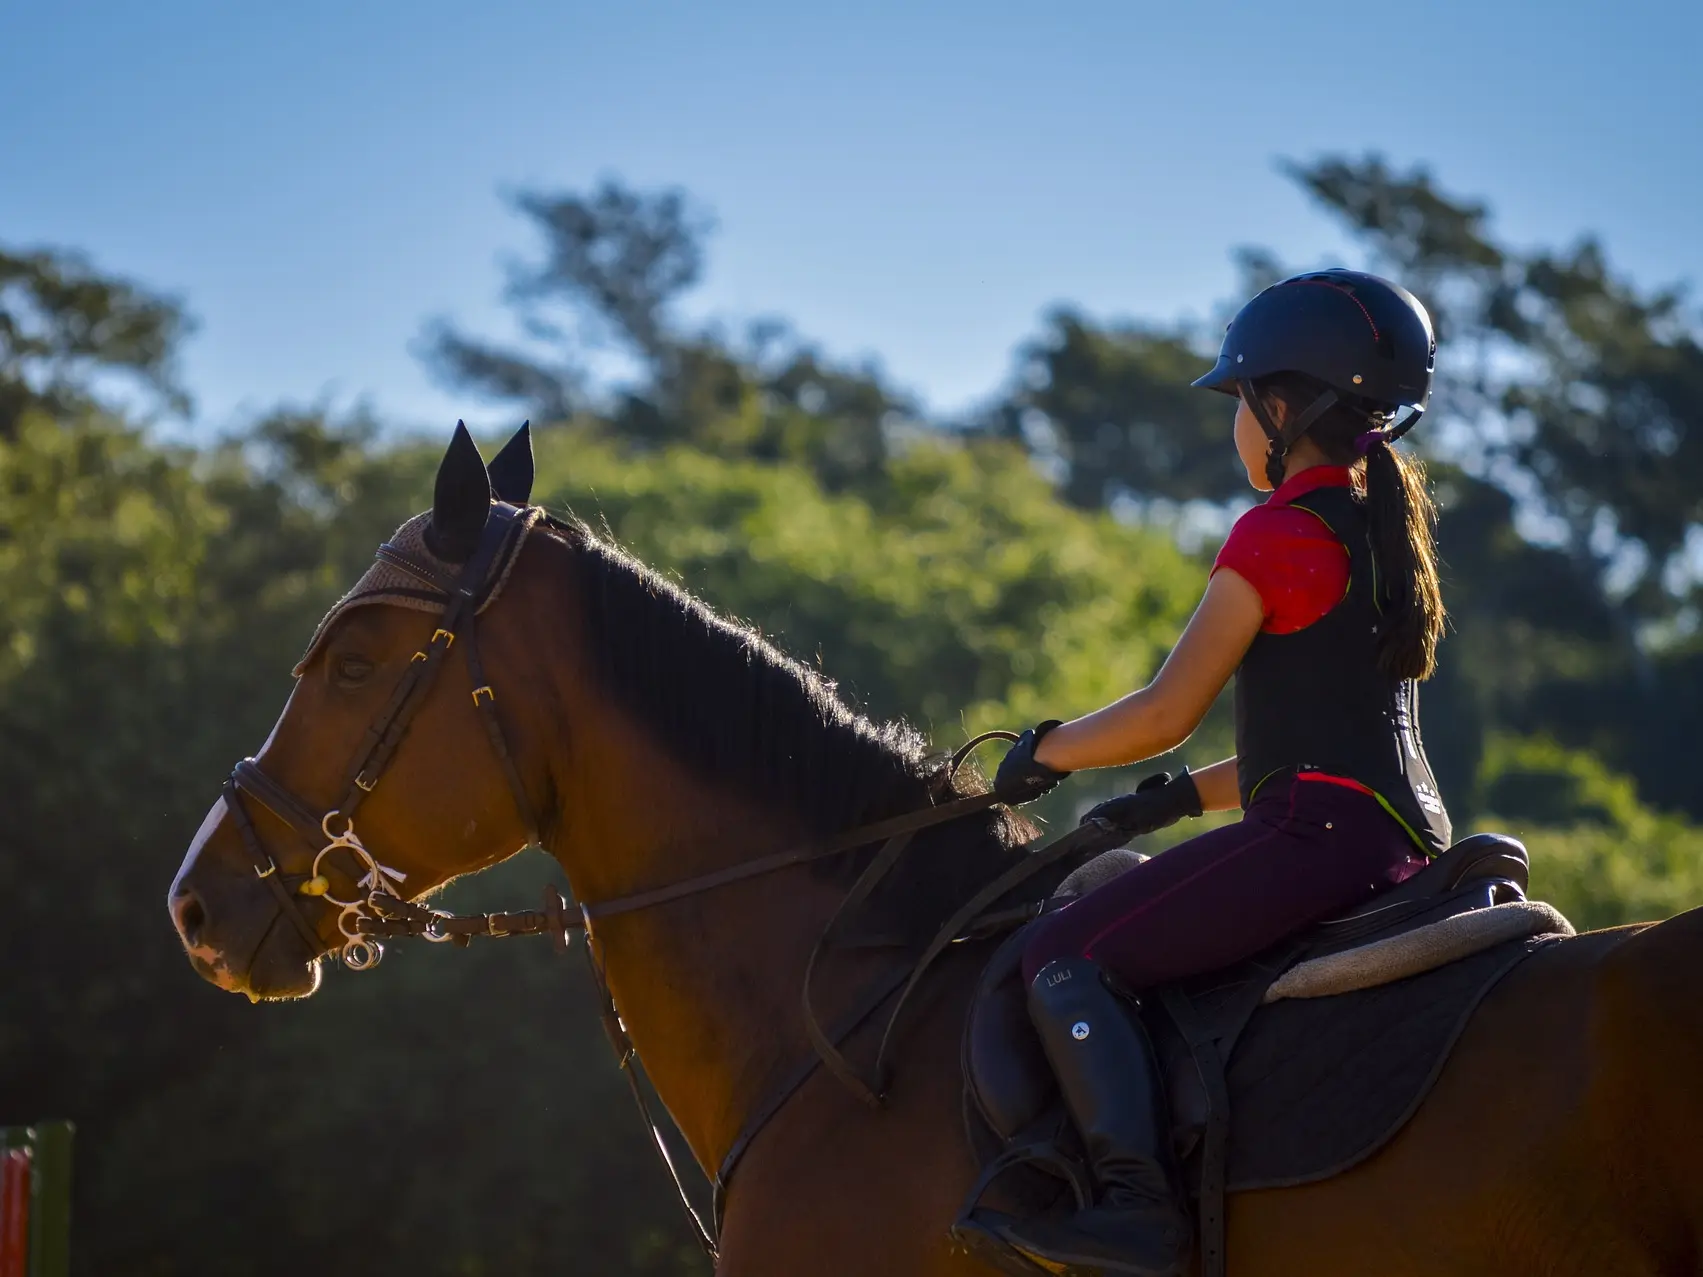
[1319, 1084]
[1422, 949]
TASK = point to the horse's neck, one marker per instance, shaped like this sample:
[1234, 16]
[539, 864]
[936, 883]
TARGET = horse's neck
[708, 987]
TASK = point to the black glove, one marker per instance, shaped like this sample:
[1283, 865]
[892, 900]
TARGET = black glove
[1157, 802]
[1020, 778]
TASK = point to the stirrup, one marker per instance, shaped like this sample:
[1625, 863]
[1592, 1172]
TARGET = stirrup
[983, 1238]
[1159, 1246]
[977, 1228]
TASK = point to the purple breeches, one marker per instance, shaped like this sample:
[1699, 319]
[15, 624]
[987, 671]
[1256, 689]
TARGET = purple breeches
[1303, 851]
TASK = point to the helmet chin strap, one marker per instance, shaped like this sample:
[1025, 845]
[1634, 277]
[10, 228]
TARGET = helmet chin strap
[1392, 433]
[1283, 439]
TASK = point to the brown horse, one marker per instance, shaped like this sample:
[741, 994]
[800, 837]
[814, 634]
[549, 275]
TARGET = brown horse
[653, 742]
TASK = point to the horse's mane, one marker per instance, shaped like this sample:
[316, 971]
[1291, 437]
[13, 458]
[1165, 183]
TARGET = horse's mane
[725, 702]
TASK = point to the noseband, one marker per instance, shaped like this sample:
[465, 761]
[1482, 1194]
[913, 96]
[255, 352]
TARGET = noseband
[364, 918]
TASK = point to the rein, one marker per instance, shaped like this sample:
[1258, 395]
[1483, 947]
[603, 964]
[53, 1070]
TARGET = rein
[396, 918]
[381, 913]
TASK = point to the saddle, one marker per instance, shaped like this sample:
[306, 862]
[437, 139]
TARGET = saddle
[1389, 984]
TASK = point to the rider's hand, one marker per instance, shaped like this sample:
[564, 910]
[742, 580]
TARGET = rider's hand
[1020, 778]
[1157, 802]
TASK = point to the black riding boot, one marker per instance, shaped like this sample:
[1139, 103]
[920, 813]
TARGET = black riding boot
[1113, 1090]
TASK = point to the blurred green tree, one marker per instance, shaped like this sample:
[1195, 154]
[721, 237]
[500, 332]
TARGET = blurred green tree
[1581, 396]
[1112, 409]
[68, 332]
[1597, 385]
[156, 596]
[615, 264]
[1564, 438]
[1598, 853]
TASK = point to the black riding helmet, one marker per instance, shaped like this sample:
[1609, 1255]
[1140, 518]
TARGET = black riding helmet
[1367, 339]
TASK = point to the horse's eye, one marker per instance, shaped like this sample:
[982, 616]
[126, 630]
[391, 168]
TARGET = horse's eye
[351, 671]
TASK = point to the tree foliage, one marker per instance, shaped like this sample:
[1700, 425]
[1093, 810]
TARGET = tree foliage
[1597, 384]
[155, 597]
[1564, 437]
[615, 263]
[1114, 407]
[962, 595]
[66, 330]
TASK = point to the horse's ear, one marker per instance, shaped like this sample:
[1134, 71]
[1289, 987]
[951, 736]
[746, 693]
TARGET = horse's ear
[511, 469]
[461, 501]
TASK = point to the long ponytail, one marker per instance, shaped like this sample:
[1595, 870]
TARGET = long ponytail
[1400, 517]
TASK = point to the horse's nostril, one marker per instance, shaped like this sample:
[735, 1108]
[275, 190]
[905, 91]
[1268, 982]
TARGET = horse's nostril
[191, 917]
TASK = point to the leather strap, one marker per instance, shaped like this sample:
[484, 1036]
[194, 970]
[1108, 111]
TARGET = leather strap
[387, 731]
[1214, 1142]
[485, 701]
[1203, 1037]
[266, 869]
[388, 916]
[862, 836]
[851, 840]
[789, 1085]
[1042, 1154]
[827, 1051]
[247, 777]
[628, 1060]
[1282, 439]
[406, 919]
[1083, 839]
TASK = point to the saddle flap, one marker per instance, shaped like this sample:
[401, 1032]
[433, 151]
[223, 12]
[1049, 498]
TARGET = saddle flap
[1005, 1070]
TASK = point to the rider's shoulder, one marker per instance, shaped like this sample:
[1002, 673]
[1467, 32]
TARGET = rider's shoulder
[1271, 525]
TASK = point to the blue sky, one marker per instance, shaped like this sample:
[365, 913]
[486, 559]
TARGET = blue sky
[911, 180]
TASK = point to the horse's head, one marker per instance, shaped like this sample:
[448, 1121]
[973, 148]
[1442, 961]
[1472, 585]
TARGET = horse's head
[391, 763]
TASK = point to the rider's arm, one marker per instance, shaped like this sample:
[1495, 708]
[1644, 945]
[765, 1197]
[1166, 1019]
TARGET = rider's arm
[1163, 714]
[1217, 786]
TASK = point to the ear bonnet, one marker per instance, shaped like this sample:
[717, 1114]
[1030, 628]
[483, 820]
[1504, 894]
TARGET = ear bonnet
[407, 574]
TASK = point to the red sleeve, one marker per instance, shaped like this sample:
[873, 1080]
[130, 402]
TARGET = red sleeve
[1292, 559]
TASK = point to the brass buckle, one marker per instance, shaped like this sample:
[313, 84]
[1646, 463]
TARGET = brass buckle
[485, 692]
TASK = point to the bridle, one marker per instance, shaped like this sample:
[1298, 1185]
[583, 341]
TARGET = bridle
[382, 913]
[334, 831]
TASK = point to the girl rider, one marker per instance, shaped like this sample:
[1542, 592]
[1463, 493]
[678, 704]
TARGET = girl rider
[1324, 603]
